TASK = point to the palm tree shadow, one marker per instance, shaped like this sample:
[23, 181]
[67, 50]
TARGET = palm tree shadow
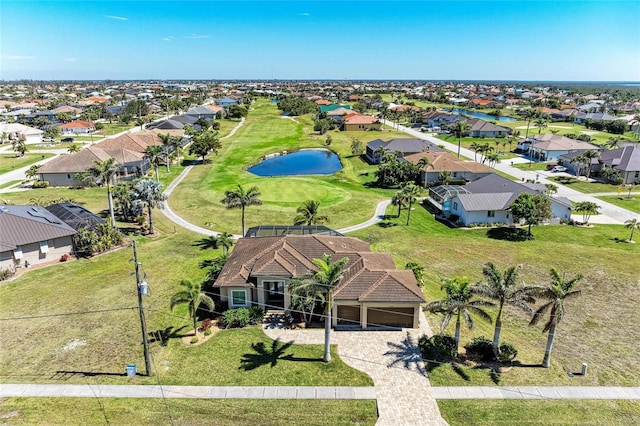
[163, 335]
[408, 354]
[210, 242]
[460, 372]
[264, 355]
[508, 234]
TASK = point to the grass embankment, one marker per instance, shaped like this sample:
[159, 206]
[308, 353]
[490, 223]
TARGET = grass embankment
[609, 300]
[631, 204]
[584, 186]
[9, 162]
[343, 196]
[129, 411]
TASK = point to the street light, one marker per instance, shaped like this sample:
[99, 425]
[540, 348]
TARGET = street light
[142, 288]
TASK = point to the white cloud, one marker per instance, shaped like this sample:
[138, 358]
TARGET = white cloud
[118, 18]
[17, 57]
[166, 38]
[196, 36]
[69, 59]
[305, 14]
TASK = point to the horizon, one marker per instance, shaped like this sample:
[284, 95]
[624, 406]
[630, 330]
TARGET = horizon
[480, 41]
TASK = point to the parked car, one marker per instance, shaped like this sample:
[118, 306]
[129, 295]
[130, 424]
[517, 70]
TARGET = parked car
[551, 166]
[66, 140]
[559, 169]
[48, 140]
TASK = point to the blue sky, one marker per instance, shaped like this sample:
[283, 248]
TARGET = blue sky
[475, 40]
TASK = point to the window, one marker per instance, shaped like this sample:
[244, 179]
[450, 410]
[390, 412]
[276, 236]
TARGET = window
[17, 253]
[455, 205]
[238, 298]
[637, 174]
[44, 247]
[491, 213]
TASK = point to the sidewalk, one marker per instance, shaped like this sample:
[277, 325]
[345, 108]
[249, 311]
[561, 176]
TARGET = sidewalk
[313, 392]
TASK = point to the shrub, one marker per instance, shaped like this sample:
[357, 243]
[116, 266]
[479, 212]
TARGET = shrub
[206, 324]
[64, 257]
[207, 332]
[40, 184]
[507, 353]
[439, 348]
[236, 318]
[256, 315]
[480, 348]
[194, 340]
[5, 273]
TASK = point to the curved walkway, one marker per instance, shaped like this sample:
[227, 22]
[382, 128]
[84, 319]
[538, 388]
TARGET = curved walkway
[392, 359]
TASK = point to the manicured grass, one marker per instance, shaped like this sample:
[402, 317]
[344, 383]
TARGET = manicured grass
[536, 412]
[104, 342]
[503, 150]
[130, 411]
[632, 204]
[533, 166]
[585, 334]
[9, 162]
[342, 195]
[113, 128]
[10, 183]
[586, 187]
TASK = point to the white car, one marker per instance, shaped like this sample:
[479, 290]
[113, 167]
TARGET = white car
[559, 169]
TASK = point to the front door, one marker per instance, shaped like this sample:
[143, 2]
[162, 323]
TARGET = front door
[275, 293]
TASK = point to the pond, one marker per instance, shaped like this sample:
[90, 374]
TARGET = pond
[303, 162]
[481, 115]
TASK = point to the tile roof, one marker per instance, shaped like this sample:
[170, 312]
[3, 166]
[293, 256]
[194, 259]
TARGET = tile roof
[478, 124]
[367, 276]
[82, 160]
[443, 161]
[77, 124]
[29, 224]
[551, 142]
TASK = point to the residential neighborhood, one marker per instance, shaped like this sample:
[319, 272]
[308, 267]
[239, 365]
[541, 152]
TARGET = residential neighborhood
[312, 213]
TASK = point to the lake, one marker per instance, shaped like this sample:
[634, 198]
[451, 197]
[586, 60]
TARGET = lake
[303, 162]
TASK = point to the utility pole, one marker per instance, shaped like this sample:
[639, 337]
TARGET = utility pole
[143, 323]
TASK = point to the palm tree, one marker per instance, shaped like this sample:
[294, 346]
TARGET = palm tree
[587, 208]
[167, 141]
[225, 240]
[528, 115]
[493, 158]
[632, 224]
[410, 193]
[444, 177]
[239, 198]
[148, 192]
[458, 303]
[308, 213]
[103, 173]
[540, 123]
[551, 188]
[578, 161]
[122, 197]
[379, 153]
[398, 200]
[589, 155]
[74, 147]
[614, 142]
[194, 297]
[502, 287]
[556, 293]
[475, 147]
[32, 171]
[459, 129]
[154, 154]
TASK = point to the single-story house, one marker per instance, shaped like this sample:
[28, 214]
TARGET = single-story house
[137, 142]
[67, 109]
[444, 161]
[372, 292]
[440, 119]
[485, 129]
[32, 235]
[61, 171]
[331, 107]
[487, 200]
[77, 127]
[601, 116]
[626, 160]
[360, 122]
[403, 146]
[226, 102]
[549, 147]
[15, 131]
[217, 109]
[338, 114]
[202, 112]
[75, 215]
[168, 124]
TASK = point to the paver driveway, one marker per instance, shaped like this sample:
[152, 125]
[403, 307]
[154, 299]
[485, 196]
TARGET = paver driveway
[392, 359]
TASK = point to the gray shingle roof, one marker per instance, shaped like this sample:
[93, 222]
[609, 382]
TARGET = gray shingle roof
[30, 224]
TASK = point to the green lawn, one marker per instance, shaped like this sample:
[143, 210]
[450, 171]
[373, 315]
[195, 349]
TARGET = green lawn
[535, 412]
[533, 166]
[230, 412]
[503, 150]
[10, 183]
[585, 187]
[9, 162]
[585, 333]
[632, 204]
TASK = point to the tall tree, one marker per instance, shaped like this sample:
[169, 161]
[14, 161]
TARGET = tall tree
[193, 296]
[410, 193]
[398, 200]
[459, 129]
[528, 115]
[205, 143]
[309, 214]
[20, 146]
[32, 171]
[240, 199]
[540, 123]
[167, 141]
[73, 148]
[556, 293]
[154, 154]
[503, 288]
[103, 173]
[587, 208]
[457, 303]
[225, 240]
[533, 209]
[324, 280]
[632, 224]
[149, 193]
[589, 155]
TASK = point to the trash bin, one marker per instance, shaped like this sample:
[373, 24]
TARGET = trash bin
[131, 370]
